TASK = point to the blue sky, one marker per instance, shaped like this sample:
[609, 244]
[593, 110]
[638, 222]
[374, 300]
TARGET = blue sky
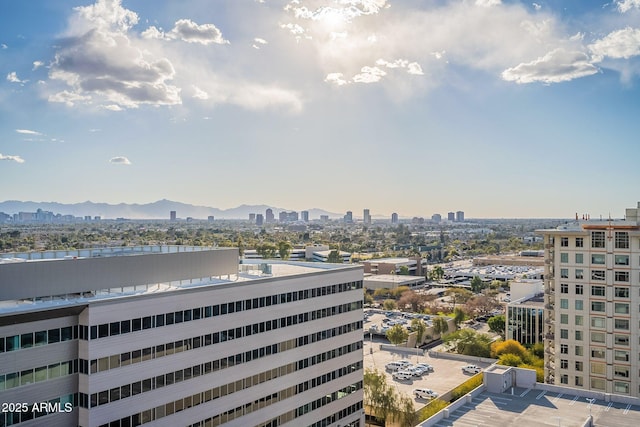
[497, 108]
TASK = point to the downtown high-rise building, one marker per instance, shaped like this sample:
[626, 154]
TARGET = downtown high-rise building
[394, 218]
[366, 216]
[269, 217]
[592, 303]
[304, 216]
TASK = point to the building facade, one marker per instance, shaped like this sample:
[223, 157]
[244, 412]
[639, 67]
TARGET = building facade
[179, 336]
[366, 216]
[592, 300]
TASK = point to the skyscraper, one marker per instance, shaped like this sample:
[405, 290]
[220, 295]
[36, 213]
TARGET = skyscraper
[394, 218]
[172, 215]
[591, 299]
[304, 216]
[366, 215]
[269, 217]
[459, 216]
[259, 219]
[451, 216]
[348, 217]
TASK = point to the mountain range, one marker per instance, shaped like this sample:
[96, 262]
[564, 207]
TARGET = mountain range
[156, 210]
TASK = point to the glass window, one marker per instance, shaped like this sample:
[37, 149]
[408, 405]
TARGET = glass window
[598, 291]
[598, 353]
[621, 355]
[598, 383]
[598, 322]
[579, 366]
[579, 242]
[564, 303]
[598, 368]
[53, 336]
[564, 349]
[621, 340]
[597, 306]
[564, 379]
[578, 335]
[564, 333]
[621, 324]
[564, 364]
[597, 239]
[622, 292]
[621, 276]
[579, 289]
[564, 288]
[579, 304]
[564, 257]
[621, 259]
[579, 258]
[564, 273]
[579, 273]
[598, 259]
[578, 381]
[622, 240]
[564, 242]
[620, 387]
[564, 319]
[598, 337]
[579, 351]
[26, 340]
[621, 308]
[579, 320]
[598, 275]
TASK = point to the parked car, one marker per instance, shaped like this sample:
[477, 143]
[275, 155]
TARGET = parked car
[471, 369]
[401, 375]
[396, 366]
[424, 393]
[416, 371]
[425, 366]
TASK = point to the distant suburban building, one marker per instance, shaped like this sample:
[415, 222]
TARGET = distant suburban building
[324, 218]
[210, 218]
[451, 216]
[252, 217]
[436, 218]
[394, 218]
[366, 215]
[288, 216]
[592, 271]
[348, 217]
[259, 219]
[172, 215]
[179, 336]
[416, 266]
[304, 216]
[459, 216]
[392, 281]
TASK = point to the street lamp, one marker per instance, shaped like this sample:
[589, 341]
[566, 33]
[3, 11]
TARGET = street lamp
[590, 403]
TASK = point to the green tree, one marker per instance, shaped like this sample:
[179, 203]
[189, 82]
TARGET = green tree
[266, 250]
[476, 284]
[459, 295]
[497, 324]
[284, 249]
[334, 257]
[407, 415]
[437, 273]
[440, 325]
[404, 270]
[379, 396]
[397, 334]
[509, 359]
[458, 316]
[469, 342]
[389, 304]
[419, 327]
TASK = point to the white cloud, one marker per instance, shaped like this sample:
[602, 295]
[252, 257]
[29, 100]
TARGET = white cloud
[488, 3]
[336, 78]
[13, 78]
[623, 43]
[190, 32]
[199, 93]
[369, 75]
[68, 98]
[536, 6]
[119, 160]
[557, 66]
[37, 64]
[626, 5]
[16, 159]
[3, 46]
[112, 107]
[28, 132]
[415, 69]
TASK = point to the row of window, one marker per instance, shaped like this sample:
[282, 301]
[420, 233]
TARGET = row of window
[596, 275]
[136, 356]
[39, 338]
[597, 259]
[209, 395]
[598, 240]
[619, 387]
[156, 321]
[618, 355]
[597, 306]
[596, 290]
[63, 402]
[117, 393]
[42, 373]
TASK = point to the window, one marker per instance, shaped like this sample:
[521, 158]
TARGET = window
[564, 273]
[579, 258]
[564, 303]
[598, 383]
[579, 366]
[598, 291]
[579, 304]
[620, 387]
[579, 242]
[564, 319]
[622, 292]
[598, 353]
[564, 288]
[598, 275]
[598, 368]
[621, 276]
[621, 355]
[597, 306]
[621, 340]
[621, 371]
[597, 239]
[598, 259]
[578, 335]
[598, 322]
[579, 351]
[564, 349]
[564, 257]
[578, 381]
[564, 364]
[621, 308]
[579, 289]
[564, 242]
[597, 337]
[564, 379]
[622, 240]
[621, 324]
[579, 320]
[579, 273]
[621, 259]
[564, 334]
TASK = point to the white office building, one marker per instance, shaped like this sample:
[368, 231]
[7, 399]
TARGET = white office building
[178, 336]
[592, 277]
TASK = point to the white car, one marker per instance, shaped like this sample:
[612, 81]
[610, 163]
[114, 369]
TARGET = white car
[401, 375]
[425, 366]
[471, 369]
[424, 393]
[416, 371]
[396, 366]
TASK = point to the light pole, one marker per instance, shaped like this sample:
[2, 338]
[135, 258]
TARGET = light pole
[590, 400]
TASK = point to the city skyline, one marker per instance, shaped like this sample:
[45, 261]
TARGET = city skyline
[489, 107]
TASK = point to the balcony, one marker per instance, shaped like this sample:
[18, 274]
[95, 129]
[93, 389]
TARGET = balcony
[550, 336]
[549, 306]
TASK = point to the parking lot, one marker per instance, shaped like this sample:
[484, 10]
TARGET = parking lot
[447, 373]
